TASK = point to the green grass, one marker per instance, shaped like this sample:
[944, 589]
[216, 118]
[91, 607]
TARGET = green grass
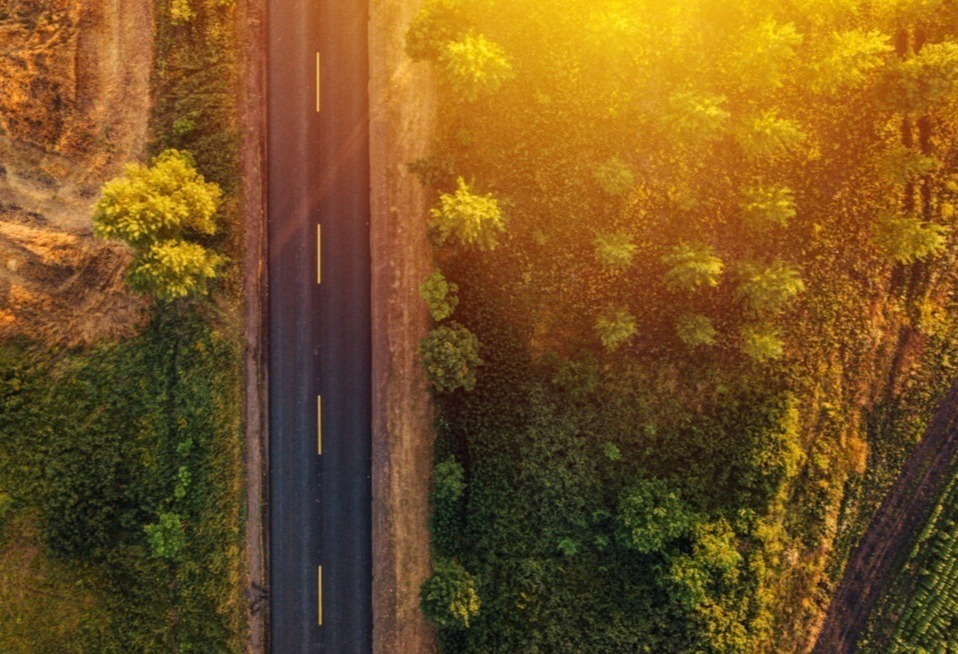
[94, 446]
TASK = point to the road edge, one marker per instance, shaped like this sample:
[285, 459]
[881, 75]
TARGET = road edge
[251, 31]
[402, 120]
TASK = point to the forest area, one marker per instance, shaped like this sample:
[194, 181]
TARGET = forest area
[693, 306]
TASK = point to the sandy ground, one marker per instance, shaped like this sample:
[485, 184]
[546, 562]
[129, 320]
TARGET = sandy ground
[402, 107]
[74, 106]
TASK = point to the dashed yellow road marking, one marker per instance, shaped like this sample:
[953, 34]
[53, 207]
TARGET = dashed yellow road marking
[319, 424]
[319, 596]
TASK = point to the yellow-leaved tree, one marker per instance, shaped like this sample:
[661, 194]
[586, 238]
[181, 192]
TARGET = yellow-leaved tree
[162, 211]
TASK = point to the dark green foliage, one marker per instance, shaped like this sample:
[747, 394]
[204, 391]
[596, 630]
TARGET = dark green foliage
[651, 516]
[448, 519]
[646, 149]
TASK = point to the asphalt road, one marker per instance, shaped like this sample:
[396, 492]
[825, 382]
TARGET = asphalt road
[319, 328]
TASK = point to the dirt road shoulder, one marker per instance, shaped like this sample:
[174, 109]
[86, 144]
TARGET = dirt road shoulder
[402, 110]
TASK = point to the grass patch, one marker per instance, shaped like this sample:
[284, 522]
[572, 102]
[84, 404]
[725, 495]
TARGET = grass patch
[94, 447]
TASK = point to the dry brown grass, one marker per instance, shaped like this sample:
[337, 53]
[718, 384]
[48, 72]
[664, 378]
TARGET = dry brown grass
[63, 287]
[74, 106]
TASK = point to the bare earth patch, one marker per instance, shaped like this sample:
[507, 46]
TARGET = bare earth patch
[74, 106]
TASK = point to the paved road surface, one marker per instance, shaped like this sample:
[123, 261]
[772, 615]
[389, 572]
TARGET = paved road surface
[319, 332]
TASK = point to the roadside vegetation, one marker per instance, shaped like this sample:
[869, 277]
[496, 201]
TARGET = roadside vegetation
[121, 485]
[693, 303]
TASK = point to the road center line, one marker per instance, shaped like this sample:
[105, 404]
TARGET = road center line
[319, 596]
[319, 254]
[319, 424]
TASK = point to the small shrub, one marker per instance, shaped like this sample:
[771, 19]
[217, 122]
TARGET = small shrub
[771, 136]
[696, 330]
[615, 251]
[451, 355]
[448, 598]
[440, 295]
[181, 12]
[615, 328]
[614, 177]
[475, 66]
[166, 536]
[475, 220]
[768, 289]
[692, 267]
[696, 117]
[766, 207]
[762, 344]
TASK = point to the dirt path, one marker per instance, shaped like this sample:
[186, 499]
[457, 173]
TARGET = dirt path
[869, 571]
[250, 23]
[402, 111]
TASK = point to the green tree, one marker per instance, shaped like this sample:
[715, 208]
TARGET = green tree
[159, 211]
[475, 220]
[768, 135]
[907, 239]
[437, 24]
[475, 66]
[695, 117]
[450, 353]
[849, 59]
[615, 328]
[696, 330]
[766, 289]
[614, 176]
[448, 598]
[762, 343]
[771, 206]
[615, 251]
[692, 267]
